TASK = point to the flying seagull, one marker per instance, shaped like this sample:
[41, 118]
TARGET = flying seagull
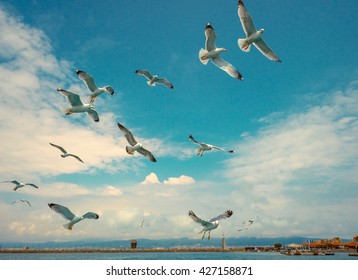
[253, 36]
[67, 214]
[212, 223]
[77, 105]
[248, 223]
[142, 224]
[206, 147]
[65, 153]
[213, 53]
[91, 85]
[153, 79]
[135, 146]
[21, 200]
[20, 185]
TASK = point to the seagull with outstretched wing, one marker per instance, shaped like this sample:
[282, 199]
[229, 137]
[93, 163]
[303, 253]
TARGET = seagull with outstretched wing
[206, 147]
[213, 53]
[154, 79]
[253, 36]
[20, 185]
[134, 145]
[65, 153]
[68, 215]
[77, 105]
[211, 224]
[21, 200]
[91, 85]
[248, 223]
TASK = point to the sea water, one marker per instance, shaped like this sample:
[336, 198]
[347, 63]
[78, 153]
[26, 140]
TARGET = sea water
[172, 256]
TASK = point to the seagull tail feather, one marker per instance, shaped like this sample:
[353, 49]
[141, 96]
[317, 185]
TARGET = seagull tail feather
[151, 84]
[68, 226]
[244, 45]
[202, 57]
[67, 111]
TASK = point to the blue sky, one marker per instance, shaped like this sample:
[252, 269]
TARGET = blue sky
[294, 125]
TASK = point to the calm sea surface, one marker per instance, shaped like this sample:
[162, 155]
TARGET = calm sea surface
[170, 256]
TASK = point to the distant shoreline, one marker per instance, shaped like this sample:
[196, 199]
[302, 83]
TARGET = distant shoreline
[148, 250]
[121, 250]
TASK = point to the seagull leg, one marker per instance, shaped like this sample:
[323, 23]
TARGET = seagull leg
[209, 234]
[203, 235]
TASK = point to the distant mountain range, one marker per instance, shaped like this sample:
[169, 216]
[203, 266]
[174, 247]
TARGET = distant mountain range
[161, 243]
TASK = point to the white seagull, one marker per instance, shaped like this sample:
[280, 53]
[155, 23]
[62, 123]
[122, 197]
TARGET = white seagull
[212, 223]
[20, 185]
[21, 200]
[248, 223]
[153, 79]
[206, 147]
[65, 153]
[213, 53]
[67, 214]
[253, 36]
[91, 85]
[77, 105]
[135, 146]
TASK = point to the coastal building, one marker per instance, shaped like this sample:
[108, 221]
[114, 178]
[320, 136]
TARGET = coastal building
[223, 243]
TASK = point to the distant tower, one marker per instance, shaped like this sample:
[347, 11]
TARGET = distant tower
[223, 243]
[134, 244]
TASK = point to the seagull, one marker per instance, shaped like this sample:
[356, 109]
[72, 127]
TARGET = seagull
[142, 224]
[253, 36]
[21, 200]
[248, 223]
[153, 79]
[206, 147]
[67, 214]
[212, 223]
[211, 51]
[77, 105]
[91, 85]
[65, 154]
[20, 185]
[135, 146]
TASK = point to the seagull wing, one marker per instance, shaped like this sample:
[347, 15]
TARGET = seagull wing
[224, 215]
[192, 139]
[32, 185]
[93, 114]
[127, 134]
[246, 20]
[227, 67]
[222, 149]
[87, 79]
[73, 98]
[62, 210]
[77, 157]
[166, 82]
[90, 215]
[266, 50]
[14, 182]
[28, 202]
[197, 219]
[210, 38]
[147, 154]
[145, 73]
[59, 147]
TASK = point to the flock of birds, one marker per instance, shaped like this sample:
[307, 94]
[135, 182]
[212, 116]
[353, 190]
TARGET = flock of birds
[211, 52]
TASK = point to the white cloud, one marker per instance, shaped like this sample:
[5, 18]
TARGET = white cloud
[152, 178]
[182, 180]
